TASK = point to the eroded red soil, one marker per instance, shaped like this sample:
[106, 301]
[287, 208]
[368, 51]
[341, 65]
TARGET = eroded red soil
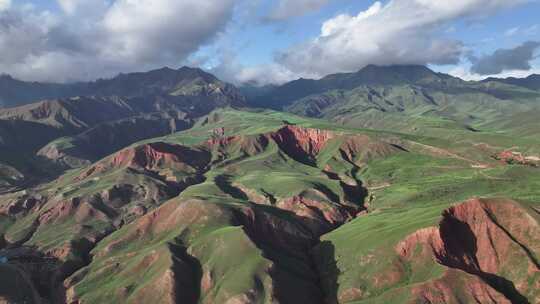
[513, 157]
[494, 241]
[153, 156]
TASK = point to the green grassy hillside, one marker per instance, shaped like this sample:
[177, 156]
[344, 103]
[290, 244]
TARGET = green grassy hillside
[412, 99]
[270, 207]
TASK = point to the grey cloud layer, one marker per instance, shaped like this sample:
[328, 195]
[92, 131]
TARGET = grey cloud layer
[99, 38]
[286, 9]
[518, 58]
[95, 39]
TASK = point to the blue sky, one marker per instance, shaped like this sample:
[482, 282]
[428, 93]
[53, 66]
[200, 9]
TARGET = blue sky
[265, 41]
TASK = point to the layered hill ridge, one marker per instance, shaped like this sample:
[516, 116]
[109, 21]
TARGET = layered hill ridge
[409, 98]
[166, 81]
[167, 193]
[273, 208]
[190, 90]
[81, 149]
[372, 75]
[16, 92]
[152, 157]
[176, 94]
[110, 114]
[531, 82]
[119, 190]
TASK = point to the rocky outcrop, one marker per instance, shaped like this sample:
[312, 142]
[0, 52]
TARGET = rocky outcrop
[153, 157]
[517, 158]
[447, 289]
[21, 205]
[320, 217]
[302, 144]
[496, 242]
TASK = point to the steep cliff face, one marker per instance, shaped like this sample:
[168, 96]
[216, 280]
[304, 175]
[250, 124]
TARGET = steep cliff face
[479, 251]
[496, 242]
[302, 144]
[305, 144]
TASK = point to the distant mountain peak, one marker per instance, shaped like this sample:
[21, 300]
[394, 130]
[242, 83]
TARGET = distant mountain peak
[531, 82]
[398, 67]
[185, 81]
[410, 72]
[6, 77]
[198, 72]
[371, 75]
[165, 69]
[188, 68]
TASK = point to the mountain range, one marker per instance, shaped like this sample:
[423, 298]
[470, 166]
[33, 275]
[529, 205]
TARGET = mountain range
[166, 81]
[394, 184]
[110, 113]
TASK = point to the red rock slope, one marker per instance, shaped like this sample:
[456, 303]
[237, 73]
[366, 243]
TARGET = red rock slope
[490, 245]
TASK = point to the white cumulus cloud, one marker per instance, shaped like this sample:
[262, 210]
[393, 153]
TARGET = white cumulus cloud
[398, 32]
[4, 4]
[99, 38]
[465, 73]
